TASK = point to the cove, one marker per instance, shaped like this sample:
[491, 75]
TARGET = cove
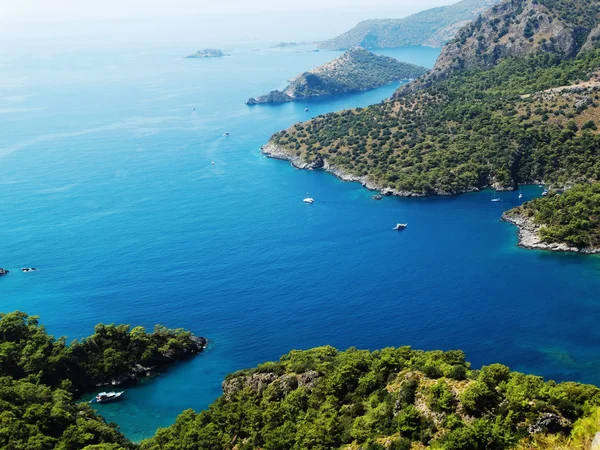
[108, 189]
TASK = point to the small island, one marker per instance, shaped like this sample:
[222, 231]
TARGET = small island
[356, 70]
[207, 53]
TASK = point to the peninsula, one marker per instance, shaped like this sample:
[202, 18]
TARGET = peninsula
[355, 70]
[207, 53]
[568, 222]
[512, 99]
[41, 377]
[432, 27]
[389, 399]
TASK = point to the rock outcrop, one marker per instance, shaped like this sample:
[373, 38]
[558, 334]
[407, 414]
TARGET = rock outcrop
[258, 382]
[529, 235]
[207, 53]
[271, 97]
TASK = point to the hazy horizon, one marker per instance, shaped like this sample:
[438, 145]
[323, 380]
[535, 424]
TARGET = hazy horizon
[33, 22]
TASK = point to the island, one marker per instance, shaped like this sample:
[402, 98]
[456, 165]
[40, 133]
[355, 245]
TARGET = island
[355, 70]
[504, 106]
[433, 27]
[561, 221]
[207, 53]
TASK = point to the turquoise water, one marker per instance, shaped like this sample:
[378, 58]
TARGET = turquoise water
[108, 188]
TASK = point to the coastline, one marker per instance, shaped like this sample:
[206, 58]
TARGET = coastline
[137, 371]
[276, 152]
[529, 238]
[527, 230]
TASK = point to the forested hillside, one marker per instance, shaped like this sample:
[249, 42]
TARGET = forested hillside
[500, 127]
[396, 398]
[40, 377]
[355, 70]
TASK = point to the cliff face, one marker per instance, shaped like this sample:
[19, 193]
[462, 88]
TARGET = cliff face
[514, 28]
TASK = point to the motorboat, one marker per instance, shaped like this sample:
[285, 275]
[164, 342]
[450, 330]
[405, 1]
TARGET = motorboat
[28, 269]
[3, 271]
[226, 134]
[400, 226]
[104, 397]
[377, 197]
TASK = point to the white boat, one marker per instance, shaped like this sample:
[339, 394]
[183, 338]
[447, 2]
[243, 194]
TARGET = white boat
[226, 134]
[520, 195]
[545, 193]
[306, 109]
[28, 269]
[104, 397]
[400, 226]
[308, 199]
[496, 199]
[212, 163]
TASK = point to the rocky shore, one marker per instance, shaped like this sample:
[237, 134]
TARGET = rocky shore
[277, 152]
[529, 236]
[137, 371]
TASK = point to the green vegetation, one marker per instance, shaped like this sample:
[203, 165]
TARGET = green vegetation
[433, 27]
[572, 217]
[355, 70]
[393, 398]
[476, 128]
[315, 399]
[39, 376]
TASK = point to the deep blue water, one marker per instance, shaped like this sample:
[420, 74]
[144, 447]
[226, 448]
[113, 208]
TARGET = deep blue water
[108, 188]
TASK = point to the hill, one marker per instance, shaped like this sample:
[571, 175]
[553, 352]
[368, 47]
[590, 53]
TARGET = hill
[568, 221]
[433, 27]
[40, 377]
[395, 398]
[513, 99]
[355, 70]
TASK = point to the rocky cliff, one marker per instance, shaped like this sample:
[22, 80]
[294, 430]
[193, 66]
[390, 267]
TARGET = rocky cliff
[519, 28]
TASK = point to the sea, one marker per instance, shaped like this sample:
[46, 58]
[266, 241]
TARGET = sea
[108, 187]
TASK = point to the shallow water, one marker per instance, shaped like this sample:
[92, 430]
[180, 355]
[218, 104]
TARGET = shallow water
[108, 188]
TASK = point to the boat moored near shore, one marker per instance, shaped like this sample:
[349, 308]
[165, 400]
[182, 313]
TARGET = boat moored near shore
[104, 397]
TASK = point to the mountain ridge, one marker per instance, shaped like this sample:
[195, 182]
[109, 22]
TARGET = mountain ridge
[433, 27]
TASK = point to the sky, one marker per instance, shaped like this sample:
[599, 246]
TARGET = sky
[212, 21]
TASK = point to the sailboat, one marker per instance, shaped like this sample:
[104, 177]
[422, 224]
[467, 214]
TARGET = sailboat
[520, 193]
[308, 199]
[496, 198]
